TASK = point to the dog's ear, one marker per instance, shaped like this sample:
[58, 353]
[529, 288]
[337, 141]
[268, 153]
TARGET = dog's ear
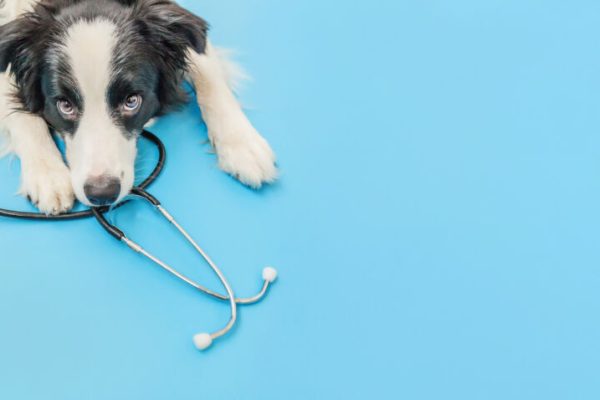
[170, 32]
[22, 44]
[171, 25]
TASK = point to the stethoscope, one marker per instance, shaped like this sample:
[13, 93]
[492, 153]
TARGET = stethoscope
[202, 340]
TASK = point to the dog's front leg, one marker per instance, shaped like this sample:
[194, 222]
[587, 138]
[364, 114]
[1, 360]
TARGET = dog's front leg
[45, 179]
[241, 150]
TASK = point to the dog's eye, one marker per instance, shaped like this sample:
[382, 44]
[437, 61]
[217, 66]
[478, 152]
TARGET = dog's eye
[66, 108]
[132, 103]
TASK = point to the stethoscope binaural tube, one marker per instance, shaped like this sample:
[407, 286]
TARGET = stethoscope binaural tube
[202, 341]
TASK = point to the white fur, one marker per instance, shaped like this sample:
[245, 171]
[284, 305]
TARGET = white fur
[99, 146]
[13, 8]
[44, 176]
[4, 110]
[233, 72]
[45, 179]
[241, 150]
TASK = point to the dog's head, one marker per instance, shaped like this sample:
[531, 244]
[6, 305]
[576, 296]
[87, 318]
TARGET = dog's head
[97, 71]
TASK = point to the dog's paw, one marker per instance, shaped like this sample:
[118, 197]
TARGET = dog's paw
[48, 186]
[247, 156]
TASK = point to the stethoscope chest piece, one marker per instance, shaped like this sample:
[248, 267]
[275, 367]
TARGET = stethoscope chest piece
[202, 341]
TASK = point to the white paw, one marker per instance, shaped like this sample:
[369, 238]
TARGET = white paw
[48, 186]
[247, 156]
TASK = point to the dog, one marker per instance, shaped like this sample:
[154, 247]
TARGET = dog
[95, 72]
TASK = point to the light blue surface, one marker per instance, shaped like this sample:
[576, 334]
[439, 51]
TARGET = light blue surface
[436, 227]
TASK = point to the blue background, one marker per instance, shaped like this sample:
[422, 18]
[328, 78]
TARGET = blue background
[435, 226]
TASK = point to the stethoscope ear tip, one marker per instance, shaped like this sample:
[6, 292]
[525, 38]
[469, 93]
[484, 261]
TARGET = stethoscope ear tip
[269, 274]
[203, 341]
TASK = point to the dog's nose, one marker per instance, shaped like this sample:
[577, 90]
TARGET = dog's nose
[103, 190]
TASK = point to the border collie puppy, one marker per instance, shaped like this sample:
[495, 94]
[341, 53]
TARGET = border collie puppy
[95, 72]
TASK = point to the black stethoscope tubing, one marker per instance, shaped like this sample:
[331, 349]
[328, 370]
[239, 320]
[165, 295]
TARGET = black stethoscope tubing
[201, 340]
[160, 164]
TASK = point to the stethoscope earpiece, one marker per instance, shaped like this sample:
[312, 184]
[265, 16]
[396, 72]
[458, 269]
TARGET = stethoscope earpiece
[203, 341]
[269, 274]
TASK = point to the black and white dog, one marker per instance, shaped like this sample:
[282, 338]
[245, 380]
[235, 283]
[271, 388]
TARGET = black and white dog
[95, 72]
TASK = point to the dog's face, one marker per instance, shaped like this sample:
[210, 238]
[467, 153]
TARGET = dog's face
[97, 71]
